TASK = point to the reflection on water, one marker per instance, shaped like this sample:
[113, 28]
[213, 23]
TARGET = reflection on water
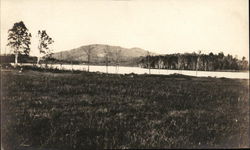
[137, 70]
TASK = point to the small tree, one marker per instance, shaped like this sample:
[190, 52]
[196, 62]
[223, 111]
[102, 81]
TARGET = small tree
[19, 40]
[43, 46]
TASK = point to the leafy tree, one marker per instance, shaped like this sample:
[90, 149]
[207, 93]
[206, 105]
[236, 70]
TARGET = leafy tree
[180, 61]
[43, 46]
[243, 58]
[19, 40]
[244, 64]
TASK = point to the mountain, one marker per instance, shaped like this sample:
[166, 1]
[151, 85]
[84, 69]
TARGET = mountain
[126, 56]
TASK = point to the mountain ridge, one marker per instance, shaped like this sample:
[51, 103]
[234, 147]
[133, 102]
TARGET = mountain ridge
[98, 53]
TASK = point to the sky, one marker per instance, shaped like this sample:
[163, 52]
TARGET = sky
[160, 26]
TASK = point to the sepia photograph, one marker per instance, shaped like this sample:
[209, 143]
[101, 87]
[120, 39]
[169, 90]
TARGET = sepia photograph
[124, 74]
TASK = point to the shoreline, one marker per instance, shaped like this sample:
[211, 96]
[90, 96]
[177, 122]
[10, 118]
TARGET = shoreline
[103, 65]
[136, 70]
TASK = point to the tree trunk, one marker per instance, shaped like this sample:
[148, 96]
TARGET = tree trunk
[88, 62]
[117, 68]
[106, 64]
[61, 59]
[149, 66]
[16, 59]
[71, 66]
[38, 60]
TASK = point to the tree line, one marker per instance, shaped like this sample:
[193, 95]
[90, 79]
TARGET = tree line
[19, 39]
[195, 61]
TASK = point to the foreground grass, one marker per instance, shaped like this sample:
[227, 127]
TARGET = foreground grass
[90, 110]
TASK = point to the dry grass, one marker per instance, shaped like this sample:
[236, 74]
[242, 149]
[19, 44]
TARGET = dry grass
[89, 110]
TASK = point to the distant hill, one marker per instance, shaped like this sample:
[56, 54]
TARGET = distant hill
[127, 56]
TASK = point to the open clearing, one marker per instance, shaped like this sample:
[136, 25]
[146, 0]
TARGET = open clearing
[91, 110]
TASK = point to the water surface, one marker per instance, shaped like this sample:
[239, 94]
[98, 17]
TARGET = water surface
[138, 70]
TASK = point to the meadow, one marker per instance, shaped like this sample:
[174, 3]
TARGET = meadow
[81, 110]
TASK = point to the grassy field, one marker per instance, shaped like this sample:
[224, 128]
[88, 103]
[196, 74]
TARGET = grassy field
[90, 110]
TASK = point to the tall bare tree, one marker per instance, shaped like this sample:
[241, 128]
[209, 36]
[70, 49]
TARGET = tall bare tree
[149, 66]
[117, 58]
[180, 62]
[44, 45]
[61, 59]
[88, 52]
[107, 54]
[197, 62]
[19, 40]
